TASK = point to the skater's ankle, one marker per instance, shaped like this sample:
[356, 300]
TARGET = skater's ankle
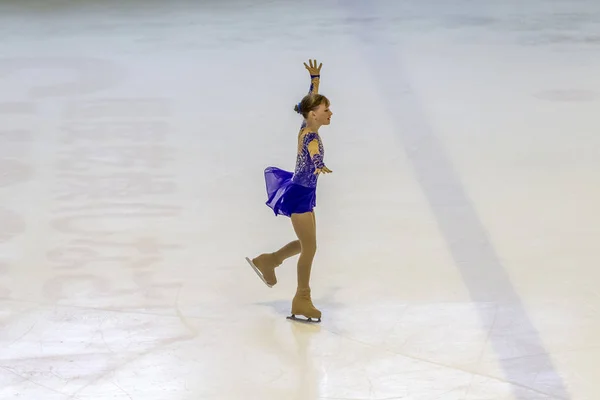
[266, 258]
[276, 260]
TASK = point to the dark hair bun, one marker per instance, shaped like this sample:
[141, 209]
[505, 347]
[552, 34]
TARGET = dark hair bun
[297, 108]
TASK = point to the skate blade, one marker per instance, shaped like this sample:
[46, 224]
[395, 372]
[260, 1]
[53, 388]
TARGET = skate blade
[260, 275]
[304, 320]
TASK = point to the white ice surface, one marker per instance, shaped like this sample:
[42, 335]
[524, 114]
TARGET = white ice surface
[458, 235]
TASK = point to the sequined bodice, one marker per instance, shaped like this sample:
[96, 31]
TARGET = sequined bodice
[304, 174]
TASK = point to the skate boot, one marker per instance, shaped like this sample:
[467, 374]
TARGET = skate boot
[264, 266]
[302, 305]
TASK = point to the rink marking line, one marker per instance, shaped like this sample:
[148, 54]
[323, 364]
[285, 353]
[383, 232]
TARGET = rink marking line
[463, 231]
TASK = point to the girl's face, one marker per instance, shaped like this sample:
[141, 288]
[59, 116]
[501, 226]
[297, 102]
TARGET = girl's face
[322, 115]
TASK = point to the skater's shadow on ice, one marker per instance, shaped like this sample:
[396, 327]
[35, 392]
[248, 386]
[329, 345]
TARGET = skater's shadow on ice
[281, 307]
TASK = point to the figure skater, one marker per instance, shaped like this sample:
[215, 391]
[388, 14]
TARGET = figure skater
[294, 195]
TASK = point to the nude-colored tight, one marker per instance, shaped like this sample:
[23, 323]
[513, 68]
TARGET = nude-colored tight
[305, 227]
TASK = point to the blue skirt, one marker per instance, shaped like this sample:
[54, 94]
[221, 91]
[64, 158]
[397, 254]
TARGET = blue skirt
[286, 197]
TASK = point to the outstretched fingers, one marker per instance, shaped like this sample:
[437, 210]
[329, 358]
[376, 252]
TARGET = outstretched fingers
[312, 67]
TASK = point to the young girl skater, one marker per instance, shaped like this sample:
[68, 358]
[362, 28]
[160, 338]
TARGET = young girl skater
[294, 195]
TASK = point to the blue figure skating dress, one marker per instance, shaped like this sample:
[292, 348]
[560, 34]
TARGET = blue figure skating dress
[295, 193]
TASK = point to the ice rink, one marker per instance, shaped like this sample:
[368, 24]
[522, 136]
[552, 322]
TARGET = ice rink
[458, 235]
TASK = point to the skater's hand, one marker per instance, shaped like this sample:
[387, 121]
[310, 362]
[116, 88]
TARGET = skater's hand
[323, 170]
[312, 68]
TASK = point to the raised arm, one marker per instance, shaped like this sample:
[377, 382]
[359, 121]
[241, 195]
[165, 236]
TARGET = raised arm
[315, 75]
